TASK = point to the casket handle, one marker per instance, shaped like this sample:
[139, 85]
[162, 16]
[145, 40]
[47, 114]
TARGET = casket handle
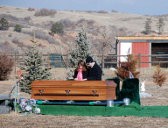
[41, 91]
[94, 92]
[67, 92]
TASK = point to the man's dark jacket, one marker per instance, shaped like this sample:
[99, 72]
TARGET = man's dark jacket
[94, 73]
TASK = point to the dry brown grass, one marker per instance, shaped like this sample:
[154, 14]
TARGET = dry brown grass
[46, 121]
[159, 97]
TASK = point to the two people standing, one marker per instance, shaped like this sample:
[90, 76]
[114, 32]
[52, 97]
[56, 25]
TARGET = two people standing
[88, 71]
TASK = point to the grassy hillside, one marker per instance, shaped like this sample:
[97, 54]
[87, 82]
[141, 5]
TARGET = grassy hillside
[110, 24]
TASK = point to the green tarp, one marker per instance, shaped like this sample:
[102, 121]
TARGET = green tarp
[130, 89]
[130, 110]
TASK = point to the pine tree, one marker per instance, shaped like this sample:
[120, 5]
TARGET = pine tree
[4, 24]
[33, 69]
[81, 50]
[18, 28]
[160, 25]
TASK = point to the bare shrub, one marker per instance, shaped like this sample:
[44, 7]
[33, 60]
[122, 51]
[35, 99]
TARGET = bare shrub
[31, 9]
[12, 24]
[51, 40]
[45, 12]
[5, 46]
[89, 11]
[18, 43]
[67, 22]
[13, 20]
[102, 11]
[28, 18]
[94, 31]
[40, 45]
[50, 33]
[81, 21]
[125, 68]
[159, 76]
[9, 17]
[15, 40]
[89, 23]
[47, 24]
[26, 31]
[10, 35]
[40, 35]
[114, 11]
[6, 65]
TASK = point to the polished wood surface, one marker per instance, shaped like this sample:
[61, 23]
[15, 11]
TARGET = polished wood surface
[73, 90]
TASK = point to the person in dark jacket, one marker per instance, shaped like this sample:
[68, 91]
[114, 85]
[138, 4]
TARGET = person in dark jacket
[80, 72]
[94, 70]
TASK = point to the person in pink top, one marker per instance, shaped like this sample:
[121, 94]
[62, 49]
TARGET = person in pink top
[80, 72]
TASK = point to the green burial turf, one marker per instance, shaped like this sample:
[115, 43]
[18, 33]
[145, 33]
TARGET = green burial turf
[130, 110]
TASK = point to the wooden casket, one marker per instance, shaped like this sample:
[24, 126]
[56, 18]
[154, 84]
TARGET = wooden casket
[73, 90]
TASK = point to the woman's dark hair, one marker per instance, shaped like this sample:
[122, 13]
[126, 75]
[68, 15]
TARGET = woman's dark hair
[81, 62]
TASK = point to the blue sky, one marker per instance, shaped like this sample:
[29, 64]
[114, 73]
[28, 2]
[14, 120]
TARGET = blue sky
[145, 7]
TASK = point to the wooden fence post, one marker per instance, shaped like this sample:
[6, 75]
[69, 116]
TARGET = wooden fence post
[48, 57]
[139, 60]
[102, 61]
[15, 64]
